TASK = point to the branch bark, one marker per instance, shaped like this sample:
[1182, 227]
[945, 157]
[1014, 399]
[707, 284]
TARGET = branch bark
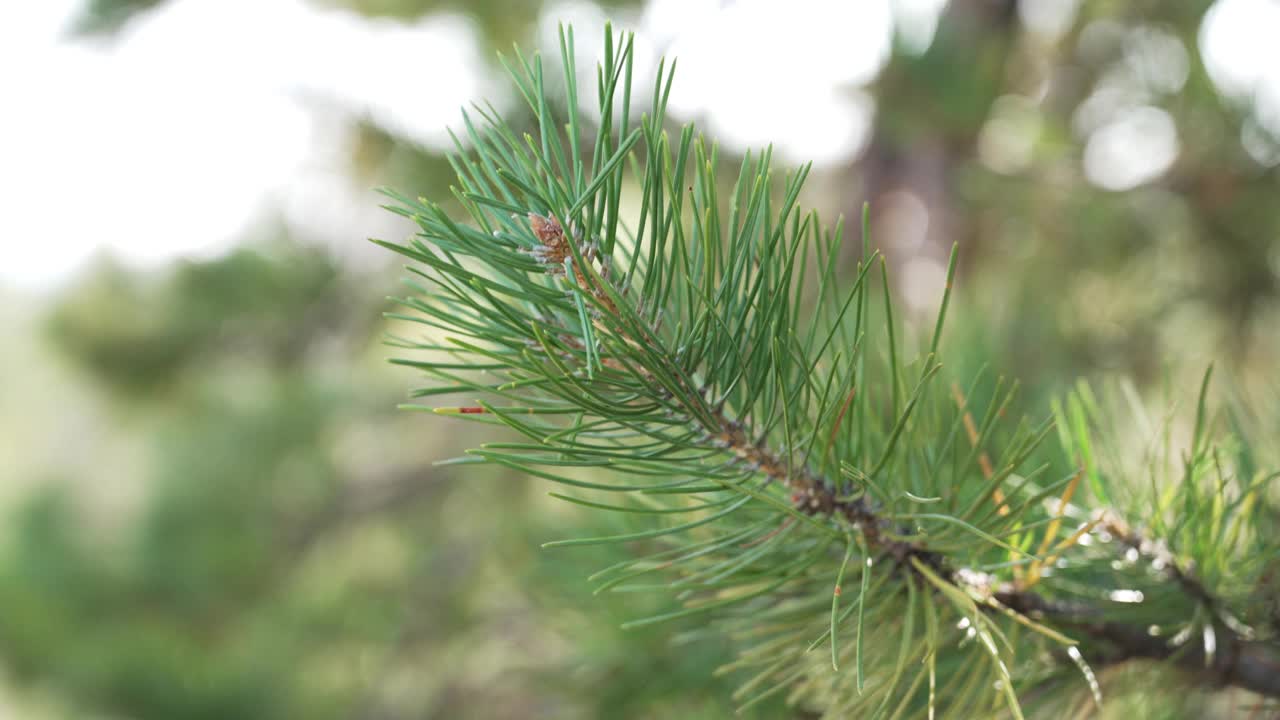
[1250, 664]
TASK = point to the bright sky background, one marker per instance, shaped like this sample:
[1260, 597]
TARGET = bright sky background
[198, 119]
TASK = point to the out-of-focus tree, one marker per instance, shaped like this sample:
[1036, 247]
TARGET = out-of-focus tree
[1111, 200]
[135, 332]
[292, 552]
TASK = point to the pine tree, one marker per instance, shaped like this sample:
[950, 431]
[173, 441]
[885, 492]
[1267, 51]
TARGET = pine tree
[878, 536]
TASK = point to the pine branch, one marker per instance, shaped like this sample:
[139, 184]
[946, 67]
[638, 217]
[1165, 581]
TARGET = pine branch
[695, 356]
[810, 493]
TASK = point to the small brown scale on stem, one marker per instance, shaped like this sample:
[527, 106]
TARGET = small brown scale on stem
[555, 247]
[555, 250]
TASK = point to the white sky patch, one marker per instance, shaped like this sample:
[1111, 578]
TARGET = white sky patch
[586, 18]
[790, 74]
[917, 21]
[1050, 18]
[171, 140]
[1137, 147]
[28, 27]
[1237, 40]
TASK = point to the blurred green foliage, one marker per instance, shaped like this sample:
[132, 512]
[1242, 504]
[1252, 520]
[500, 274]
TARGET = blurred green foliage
[1073, 277]
[102, 17]
[263, 574]
[135, 332]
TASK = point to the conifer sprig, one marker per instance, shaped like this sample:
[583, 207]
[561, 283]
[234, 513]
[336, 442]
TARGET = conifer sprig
[781, 465]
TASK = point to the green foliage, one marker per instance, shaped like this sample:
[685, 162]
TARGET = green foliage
[176, 620]
[189, 605]
[765, 431]
[284, 549]
[135, 332]
[100, 17]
